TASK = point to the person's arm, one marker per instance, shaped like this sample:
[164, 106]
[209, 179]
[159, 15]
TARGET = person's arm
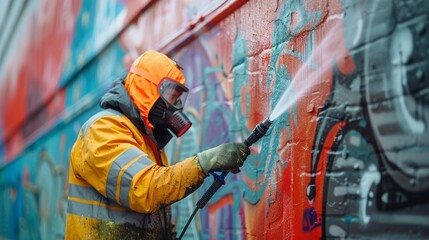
[114, 164]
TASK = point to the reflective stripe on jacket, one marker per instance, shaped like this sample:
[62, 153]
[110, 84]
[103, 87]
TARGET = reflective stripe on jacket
[120, 184]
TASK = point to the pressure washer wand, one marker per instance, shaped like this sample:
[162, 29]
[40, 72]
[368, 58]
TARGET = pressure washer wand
[258, 132]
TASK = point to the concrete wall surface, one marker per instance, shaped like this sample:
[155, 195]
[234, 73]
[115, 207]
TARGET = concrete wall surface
[346, 84]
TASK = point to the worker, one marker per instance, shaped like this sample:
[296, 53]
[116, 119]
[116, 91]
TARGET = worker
[120, 182]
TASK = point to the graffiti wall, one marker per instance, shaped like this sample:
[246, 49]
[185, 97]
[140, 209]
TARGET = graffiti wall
[345, 83]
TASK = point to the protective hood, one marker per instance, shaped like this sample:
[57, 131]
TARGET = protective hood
[117, 98]
[144, 77]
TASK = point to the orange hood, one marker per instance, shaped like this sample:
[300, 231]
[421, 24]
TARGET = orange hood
[144, 76]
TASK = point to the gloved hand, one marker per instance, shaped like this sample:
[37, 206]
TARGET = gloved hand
[225, 157]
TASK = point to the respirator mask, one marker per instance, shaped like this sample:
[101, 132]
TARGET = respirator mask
[167, 110]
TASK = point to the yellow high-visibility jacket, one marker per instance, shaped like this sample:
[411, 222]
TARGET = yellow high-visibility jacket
[117, 187]
[120, 184]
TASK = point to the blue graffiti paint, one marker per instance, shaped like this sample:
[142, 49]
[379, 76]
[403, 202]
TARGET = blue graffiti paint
[256, 165]
[310, 220]
[216, 111]
[238, 120]
[94, 30]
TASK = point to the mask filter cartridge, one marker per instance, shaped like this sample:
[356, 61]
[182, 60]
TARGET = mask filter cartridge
[178, 123]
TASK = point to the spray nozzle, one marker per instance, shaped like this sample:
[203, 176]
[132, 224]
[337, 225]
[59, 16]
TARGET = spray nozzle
[258, 132]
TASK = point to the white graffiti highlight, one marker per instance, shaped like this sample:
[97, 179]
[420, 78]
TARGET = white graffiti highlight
[369, 178]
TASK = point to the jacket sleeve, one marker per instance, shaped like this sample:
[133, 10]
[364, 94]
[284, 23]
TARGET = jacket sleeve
[114, 163]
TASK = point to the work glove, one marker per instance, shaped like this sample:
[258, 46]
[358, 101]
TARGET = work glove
[225, 157]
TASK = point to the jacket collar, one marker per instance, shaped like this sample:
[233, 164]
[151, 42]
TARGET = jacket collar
[117, 98]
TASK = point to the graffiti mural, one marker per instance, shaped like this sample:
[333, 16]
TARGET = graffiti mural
[344, 158]
[376, 179]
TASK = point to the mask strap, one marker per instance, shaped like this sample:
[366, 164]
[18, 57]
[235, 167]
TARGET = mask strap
[144, 74]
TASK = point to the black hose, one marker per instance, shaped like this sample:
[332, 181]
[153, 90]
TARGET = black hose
[189, 221]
